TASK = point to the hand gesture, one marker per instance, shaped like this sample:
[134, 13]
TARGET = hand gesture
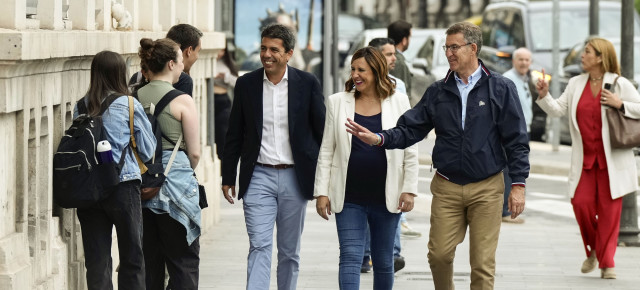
[542, 86]
[361, 132]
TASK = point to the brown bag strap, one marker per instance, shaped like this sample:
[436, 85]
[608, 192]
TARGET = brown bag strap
[615, 82]
[143, 168]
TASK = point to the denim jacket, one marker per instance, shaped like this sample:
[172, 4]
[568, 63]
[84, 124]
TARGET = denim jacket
[116, 124]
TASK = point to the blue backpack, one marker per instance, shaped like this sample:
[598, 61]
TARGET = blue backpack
[79, 180]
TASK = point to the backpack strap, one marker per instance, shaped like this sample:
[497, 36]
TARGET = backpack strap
[134, 146]
[163, 103]
[173, 156]
[166, 99]
[82, 106]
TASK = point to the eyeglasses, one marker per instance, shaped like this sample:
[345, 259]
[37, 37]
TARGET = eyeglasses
[454, 48]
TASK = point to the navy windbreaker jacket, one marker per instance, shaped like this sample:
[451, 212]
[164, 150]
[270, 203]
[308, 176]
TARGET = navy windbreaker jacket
[495, 133]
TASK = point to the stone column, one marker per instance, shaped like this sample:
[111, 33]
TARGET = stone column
[15, 14]
[204, 17]
[83, 14]
[148, 16]
[50, 14]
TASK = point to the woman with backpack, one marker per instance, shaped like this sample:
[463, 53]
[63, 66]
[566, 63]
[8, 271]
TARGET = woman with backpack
[122, 207]
[172, 217]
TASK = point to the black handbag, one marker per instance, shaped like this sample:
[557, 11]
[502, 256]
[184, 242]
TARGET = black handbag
[203, 197]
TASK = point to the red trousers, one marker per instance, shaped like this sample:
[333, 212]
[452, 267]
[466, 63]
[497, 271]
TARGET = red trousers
[597, 215]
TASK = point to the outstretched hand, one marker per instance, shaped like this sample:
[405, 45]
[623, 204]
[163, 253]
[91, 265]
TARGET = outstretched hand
[361, 132]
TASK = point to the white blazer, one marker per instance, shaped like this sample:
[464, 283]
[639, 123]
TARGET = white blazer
[621, 165]
[331, 172]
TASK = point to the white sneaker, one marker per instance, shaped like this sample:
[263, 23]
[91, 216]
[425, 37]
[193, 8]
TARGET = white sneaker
[407, 230]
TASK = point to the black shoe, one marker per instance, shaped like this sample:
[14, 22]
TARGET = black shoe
[398, 263]
[366, 265]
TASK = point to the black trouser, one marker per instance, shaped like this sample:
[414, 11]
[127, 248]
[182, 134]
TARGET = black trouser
[221, 122]
[165, 242]
[122, 209]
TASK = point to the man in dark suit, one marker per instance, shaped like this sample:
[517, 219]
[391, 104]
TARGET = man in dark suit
[275, 129]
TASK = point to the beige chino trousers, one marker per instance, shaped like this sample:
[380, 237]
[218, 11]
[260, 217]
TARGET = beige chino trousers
[453, 208]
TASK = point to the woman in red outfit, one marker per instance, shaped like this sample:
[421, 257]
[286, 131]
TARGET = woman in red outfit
[599, 175]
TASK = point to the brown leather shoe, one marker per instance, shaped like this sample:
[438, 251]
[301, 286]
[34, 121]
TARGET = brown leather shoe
[590, 263]
[607, 273]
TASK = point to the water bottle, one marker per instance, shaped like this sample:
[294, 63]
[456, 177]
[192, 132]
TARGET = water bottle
[104, 152]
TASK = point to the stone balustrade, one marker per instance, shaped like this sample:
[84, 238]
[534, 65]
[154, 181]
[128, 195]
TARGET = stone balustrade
[44, 69]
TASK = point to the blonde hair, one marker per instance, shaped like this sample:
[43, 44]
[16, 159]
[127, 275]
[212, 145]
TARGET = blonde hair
[607, 52]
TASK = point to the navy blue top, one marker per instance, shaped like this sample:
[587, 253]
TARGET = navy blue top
[367, 169]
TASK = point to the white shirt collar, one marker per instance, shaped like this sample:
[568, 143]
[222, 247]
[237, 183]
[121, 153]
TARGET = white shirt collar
[284, 77]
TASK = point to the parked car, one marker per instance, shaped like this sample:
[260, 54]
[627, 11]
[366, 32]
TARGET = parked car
[421, 78]
[511, 24]
[432, 57]
[572, 66]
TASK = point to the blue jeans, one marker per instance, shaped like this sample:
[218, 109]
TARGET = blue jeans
[273, 198]
[397, 247]
[122, 210]
[352, 224]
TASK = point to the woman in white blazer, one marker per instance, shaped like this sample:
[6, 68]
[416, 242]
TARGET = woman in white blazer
[362, 183]
[599, 174]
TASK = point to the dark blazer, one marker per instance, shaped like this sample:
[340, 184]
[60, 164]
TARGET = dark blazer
[244, 136]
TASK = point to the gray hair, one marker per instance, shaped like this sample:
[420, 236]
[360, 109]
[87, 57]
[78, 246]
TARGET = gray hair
[282, 32]
[470, 32]
[519, 51]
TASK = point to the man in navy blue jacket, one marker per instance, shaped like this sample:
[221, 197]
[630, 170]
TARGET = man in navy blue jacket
[480, 129]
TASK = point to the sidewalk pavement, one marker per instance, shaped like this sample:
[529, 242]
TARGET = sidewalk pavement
[543, 253]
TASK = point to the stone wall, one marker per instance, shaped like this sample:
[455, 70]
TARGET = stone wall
[44, 69]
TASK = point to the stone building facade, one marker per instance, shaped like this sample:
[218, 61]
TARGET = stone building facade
[46, 47]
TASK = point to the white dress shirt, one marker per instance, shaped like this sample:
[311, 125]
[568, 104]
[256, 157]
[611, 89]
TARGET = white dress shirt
[275, 147]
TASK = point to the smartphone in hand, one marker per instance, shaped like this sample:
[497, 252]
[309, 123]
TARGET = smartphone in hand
[607, 86]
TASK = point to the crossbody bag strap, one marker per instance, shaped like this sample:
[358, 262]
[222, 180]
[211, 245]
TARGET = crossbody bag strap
[134, 147]
[173, 155]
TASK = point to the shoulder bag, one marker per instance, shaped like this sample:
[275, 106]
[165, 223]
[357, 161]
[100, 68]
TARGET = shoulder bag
[624, 132]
